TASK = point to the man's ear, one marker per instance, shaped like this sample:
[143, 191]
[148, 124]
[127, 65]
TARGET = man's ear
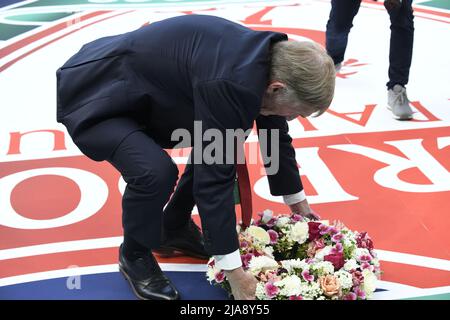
[275, 86]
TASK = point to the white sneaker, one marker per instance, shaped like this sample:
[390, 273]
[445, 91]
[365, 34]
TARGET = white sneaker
[398, 103]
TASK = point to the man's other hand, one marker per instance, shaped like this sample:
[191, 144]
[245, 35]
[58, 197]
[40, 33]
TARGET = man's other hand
[302, 208]
[243, 284]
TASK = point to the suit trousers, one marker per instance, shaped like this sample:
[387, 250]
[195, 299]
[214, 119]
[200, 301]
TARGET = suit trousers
[151, 175]
[401, 43]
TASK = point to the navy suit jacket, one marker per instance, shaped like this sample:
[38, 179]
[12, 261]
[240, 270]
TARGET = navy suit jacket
[166, 75]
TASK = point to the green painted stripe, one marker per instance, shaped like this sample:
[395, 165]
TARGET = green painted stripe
[442, 4]
[39, 17]
[442, 296]
[111, 3]
[8, 31]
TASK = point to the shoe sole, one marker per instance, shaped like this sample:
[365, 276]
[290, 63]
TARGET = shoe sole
[127, 277]
[397, 117]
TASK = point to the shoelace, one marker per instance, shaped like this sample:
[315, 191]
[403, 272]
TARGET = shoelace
[401, 97]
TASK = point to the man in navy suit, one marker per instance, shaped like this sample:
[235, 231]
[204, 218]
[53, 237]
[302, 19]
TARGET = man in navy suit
[122, 97]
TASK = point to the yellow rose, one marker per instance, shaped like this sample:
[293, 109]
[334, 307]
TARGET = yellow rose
[370, 282]
[259, 234]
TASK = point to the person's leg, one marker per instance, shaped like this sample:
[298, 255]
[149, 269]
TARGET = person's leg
[178, 211]
[400, 56]
[180, 233]
[401, 44]
[151, 176]
[338, 27]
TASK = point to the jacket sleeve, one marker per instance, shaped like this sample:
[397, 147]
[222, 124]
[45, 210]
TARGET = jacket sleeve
[286, 180]
[219, 105]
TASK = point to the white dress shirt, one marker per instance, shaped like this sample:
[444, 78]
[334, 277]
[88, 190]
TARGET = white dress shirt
[232, 260]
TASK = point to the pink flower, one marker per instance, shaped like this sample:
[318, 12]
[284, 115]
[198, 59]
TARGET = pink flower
[308, 277]
[296, 217]
[311, 250]
[337, 259]
[271, 290]
[350, 296]
[365, 258]
[295, 298]
[338, 248]
[212, 263]
[337, 237]
[363, 241]
[246, 259]
[333, 230]
[271, 223]
[244, 244]
[360, 293]
[357, 278]
[219, 277]
[313, 228]
[314, 246]
[366, 265]
[273, 236]
[324, 229]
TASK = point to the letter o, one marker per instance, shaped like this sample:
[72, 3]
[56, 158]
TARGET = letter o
[94, 193]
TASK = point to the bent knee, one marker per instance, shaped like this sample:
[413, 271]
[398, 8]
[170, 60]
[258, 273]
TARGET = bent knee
[160, 177]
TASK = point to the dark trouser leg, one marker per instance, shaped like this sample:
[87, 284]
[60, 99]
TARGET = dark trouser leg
[151, 175]
[178, 211]
[338, 27]
[401, 46]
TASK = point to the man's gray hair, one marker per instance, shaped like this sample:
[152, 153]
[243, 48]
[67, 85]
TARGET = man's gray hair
[306, 69]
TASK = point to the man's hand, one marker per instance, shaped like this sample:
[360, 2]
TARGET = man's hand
[302, 208]
[243, 284]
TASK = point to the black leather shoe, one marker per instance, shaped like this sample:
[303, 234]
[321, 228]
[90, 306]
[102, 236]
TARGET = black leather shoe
[187, 240]
[146, 278]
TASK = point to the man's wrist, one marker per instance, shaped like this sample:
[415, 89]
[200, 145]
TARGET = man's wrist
[301, 207]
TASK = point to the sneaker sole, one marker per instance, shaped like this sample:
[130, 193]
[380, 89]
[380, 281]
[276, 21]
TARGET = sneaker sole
[397, 117]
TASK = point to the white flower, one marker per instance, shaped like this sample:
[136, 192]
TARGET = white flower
[348, 242]
[370, 282]
[320, 254]
[310, 290]
[267, 215]
[259, 234]
[268, 251]
[345, 279]
[324, 267]
[210, 274]
[376, 262]
[351, 265]
[262, 263]
[260, 291]
[289, 286]
[283, 222]
[299, 232]
[289, 265]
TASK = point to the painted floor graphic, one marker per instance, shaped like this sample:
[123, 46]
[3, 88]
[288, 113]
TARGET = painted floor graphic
[60, 219]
